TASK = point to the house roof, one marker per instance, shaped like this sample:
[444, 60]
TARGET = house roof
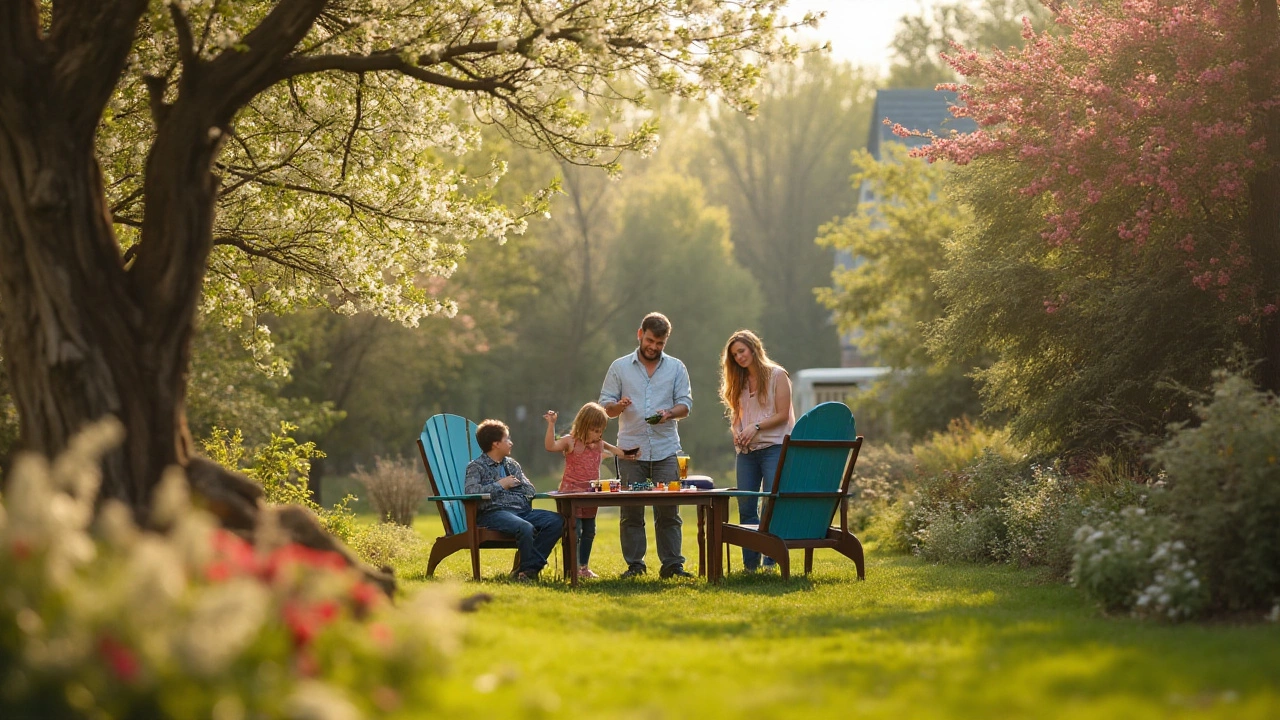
[914, 109]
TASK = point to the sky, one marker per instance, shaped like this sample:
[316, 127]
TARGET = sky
[859, 30]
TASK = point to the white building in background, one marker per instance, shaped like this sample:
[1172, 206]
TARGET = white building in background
[814, 386]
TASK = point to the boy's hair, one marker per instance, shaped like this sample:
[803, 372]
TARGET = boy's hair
[489, 433]
[591, 417]
[657, 324]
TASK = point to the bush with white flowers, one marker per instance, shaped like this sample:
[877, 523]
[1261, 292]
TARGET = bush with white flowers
[1129, 562]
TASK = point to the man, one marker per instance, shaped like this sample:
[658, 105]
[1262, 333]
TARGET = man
[649, 391]
[509, 508]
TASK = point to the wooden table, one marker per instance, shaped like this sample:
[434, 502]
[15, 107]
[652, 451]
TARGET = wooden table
[713, 511]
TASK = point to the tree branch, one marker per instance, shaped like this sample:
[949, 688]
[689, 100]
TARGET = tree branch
[383, 62]
[355, 125]
[186, 42]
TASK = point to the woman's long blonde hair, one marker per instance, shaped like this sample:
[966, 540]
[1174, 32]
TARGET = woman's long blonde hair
[591, 417]
[734, 377]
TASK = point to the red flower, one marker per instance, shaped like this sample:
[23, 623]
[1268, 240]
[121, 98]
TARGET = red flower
[306, 665]
[233, 556]
[305, 621]
[381, 634]
[365, 596]
[294, 554]
[21, 549]
[119, 658]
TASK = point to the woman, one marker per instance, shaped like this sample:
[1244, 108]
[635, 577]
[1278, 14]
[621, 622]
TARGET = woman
[757, 393]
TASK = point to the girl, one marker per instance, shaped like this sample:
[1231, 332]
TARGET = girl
[757, 393]
[582, 448]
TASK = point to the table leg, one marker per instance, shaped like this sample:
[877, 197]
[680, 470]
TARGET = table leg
[702, 540]
[569, 543]
[719, 514]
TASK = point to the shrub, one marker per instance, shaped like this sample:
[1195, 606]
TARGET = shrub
[880, 475]
[396, 488]
[102, 619]
[1130, 562]
[392, 545]
[965, 508]
[1041, 516]
[1040, 519]
[281, 466]
[963, 444]
[1224, 493]
[950, 534]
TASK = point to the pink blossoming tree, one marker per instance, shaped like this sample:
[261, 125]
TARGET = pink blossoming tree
[1157, 118]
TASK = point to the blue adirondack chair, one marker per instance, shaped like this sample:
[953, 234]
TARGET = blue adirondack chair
[811, 485]
[448, 444]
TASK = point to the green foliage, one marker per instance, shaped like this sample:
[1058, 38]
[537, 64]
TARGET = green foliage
[887, 295]
[922, 38]
[1223, 493]
[1040, 520]
[897, 241]
[879, 477]
[232, 386]
[386, 544]
[954, 516]
[961, 445]
[102, 618]
[1080, 335]
[977, 503]
[782, 175]
[281, 466]
[667, 242]
[1129, 562]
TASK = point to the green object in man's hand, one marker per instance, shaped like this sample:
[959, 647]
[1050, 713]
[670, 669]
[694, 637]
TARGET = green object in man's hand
[654, 419]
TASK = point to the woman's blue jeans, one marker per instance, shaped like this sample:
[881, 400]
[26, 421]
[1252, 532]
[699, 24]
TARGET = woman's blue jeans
[756, 471]
[586, 536]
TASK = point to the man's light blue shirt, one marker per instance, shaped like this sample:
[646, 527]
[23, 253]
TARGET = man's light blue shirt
[668, 387]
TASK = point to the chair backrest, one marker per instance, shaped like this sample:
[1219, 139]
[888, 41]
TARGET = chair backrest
[448, 445]
[813, 473]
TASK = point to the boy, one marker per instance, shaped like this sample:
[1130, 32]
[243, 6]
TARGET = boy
[509, 508]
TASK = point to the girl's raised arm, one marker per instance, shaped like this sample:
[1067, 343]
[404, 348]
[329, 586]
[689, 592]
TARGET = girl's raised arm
[550, 442]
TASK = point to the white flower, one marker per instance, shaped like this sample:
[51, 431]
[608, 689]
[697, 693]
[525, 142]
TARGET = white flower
[313, 700]
[224, 620]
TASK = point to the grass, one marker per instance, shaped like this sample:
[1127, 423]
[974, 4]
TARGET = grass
[913, 641]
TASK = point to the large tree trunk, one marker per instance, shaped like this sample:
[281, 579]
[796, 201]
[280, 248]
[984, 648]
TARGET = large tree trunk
[73, 336]
[84, 335]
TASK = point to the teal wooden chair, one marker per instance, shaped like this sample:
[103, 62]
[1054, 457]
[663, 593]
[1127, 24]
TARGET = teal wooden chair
[448, 444]
[811, 485]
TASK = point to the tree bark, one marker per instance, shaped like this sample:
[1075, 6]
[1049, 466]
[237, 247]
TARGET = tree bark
[83, 335]
[69, 327]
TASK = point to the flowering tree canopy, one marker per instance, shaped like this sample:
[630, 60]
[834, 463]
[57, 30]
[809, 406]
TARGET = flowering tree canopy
[1158, 118]
[247, 156]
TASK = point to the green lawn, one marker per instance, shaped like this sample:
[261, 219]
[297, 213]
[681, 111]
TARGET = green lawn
[914, 640]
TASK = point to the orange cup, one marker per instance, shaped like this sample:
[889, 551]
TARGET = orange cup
[674, 485]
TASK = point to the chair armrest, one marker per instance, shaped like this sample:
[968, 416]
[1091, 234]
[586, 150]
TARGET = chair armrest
[441, 498]
[544, 495]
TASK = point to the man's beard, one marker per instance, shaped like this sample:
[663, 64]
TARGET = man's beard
[650, 354]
